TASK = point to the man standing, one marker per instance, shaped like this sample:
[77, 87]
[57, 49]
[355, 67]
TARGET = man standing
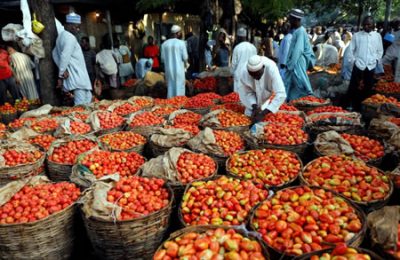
[366, 51]
[90, 58]
[175, 57]
[72, 76]
[193, 52]
[151, 51]
[299, 59]
[284, 49]
[107, 61]
[264, 91]
[241, 54]
[7, 81]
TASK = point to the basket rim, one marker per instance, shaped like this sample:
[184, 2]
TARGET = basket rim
[360, 213]
[229, 173]
[361, 203]
[373, 255]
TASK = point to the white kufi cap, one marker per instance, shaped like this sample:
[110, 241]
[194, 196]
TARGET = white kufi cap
[255, 63]
[241, 32]
[175, 28]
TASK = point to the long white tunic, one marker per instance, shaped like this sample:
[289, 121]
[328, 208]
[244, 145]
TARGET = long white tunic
[22, 67]
[68, 56]
[241, 54]
[326, 55]
[260, 91]
[174, 55]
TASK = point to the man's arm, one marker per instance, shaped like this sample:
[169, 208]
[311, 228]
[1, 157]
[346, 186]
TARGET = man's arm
[68, 48]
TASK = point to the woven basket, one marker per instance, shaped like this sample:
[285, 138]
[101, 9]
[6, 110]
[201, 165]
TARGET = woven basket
[373, 255]
[354, 242]
[158, 150]
[298, 149]
[108, 131]
[49, 238]
[366, 206]
[136, 239]
[203, 229]
[9, 174]
[8, 118]
[137, 149]
[201, 111]
[283, 185]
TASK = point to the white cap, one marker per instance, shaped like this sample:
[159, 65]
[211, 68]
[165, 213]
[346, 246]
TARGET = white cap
[255, 63]
[241, 32]
[73, 18]
[297, 13]
[163, 38]
[175, 28]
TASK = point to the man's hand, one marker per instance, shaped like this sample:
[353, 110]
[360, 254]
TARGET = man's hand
[59, 84]
[66, 74]
[260, 115]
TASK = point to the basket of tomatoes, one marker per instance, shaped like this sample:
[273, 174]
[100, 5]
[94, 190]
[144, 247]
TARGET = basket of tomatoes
[104, 122]
[226, 120]
[124, 141]
[144, 123]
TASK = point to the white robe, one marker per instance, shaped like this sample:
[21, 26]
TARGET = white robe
[326, 55]
[174, 55]
[68, 56]
[241, 54]
[259, 91]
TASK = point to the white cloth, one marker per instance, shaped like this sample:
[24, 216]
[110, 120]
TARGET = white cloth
[393, 54]
[106, 60]
[283, 52]
[259, 91]
[326, 55]
[174, 55]
[241, 54]
[68, 56]
[125, 69]
[367, 49]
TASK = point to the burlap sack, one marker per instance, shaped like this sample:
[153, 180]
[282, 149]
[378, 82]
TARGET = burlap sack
[12, 188]
[394, 141]
[117, 104]
[211, 119]
[164, 166]
[24, 133]
[205, 142]
[101, 105]
[94, 200]
[335, 119]
[331, 143]
[383, 224]
[170, 137]
[41, 111]
[382, 127]
[152, 78]
[134, 98]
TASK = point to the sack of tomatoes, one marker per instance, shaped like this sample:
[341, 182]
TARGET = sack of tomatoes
[36, 214]
[142, 101]
[45, 125]
[18, 159]
[124, 108]
[104, 122]
[291, 118]
[384, 126]
[211, 242]
[127, 217]
[220, 201]
[63, 153]
[97, 164]
[70, 127]
[308, 103]
[164, 110]
[341, 251]
[300, 220]
[123, 141]
[269, 167]
[219, 144]
[226, 120]
[184, 116]
[365, 185]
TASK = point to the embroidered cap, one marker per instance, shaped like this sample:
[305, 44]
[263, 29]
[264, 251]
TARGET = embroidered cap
[73, 18]
[297, 13]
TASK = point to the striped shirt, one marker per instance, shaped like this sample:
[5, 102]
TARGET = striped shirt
[22, 67]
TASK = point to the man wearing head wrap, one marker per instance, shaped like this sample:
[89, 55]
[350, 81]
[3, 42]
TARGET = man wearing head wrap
[393, 54]
[175, 57]
[72, 76]
[299, 59]
[263, 89]
[241, 54]
[366, 51]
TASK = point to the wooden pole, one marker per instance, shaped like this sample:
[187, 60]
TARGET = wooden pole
[387, 14]
[48, 71]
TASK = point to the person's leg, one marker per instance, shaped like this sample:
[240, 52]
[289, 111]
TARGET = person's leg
[369, 82]
[353, 91]
[3, 92]
[13, 88]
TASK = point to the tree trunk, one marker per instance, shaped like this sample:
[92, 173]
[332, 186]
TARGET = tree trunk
[45, 13]
[203, 37]
[360, 11]
[387, 13]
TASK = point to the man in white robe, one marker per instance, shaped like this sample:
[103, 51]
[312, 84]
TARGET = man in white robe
[73, 77]
[175, 57]
[264, 91]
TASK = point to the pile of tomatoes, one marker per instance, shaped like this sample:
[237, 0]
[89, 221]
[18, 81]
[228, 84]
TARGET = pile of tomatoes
[231, 98]
[193, 166]
[229, 142]
[229, 118]
[205, 84]
[45, 125]
[327, 109]
[146, 119]
[110, 120]
[66, 153]
[13, 157]
[364, 147]
[284, 118]
[43, 141]
[282, 134]
[123, 140]
[77, 127]
[126, 109]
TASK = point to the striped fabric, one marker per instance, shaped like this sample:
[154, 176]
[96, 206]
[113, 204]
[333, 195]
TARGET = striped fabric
[22, 67]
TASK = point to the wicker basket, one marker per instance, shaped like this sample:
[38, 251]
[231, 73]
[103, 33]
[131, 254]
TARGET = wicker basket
[366, 206]
[137, 149]
[8, 118]
[354, 242]
[203, 229]
[158, 150]
[9, 174]
[131, 239]
[108, 131]
[49, 238]
[201, 111]
[281, 186]
[373, 255]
